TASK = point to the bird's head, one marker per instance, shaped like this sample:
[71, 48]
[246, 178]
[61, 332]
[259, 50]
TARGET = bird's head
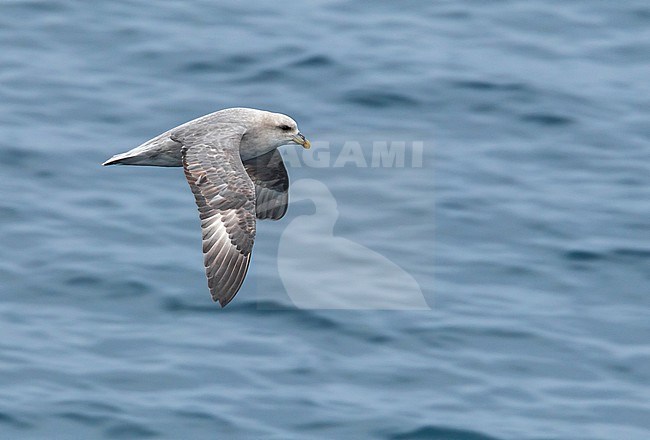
[274, 129]
[282, 130]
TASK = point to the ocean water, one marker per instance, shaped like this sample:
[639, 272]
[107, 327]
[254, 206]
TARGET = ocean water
[526, 226]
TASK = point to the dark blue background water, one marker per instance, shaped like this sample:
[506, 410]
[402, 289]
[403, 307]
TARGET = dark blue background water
[536, 176]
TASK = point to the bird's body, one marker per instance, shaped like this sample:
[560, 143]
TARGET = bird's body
[236, 174]
[163, 151]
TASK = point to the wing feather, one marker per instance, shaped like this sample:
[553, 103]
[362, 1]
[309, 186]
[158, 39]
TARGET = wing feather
[225, 196]
[269, 175]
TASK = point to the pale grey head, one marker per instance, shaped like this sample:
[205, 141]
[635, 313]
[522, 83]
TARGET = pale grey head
[266, 131]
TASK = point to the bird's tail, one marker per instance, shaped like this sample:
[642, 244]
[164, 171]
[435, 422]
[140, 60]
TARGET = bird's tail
[160, 151]
[121, 159]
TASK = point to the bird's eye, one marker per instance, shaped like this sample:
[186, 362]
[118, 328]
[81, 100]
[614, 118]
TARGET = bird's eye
[284, 127]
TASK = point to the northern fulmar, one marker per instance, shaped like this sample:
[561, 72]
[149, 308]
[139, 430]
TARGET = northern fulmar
[236, 174]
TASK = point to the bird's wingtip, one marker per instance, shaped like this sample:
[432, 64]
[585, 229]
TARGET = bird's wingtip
[216, 299]
[223, 301]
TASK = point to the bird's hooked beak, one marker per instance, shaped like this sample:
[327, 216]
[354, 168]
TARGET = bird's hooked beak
[301, 140]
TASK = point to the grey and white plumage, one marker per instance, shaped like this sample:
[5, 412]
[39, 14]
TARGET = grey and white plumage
[236, 174]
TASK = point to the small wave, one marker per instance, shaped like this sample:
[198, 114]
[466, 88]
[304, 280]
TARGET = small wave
[176, 305]
[314, 61]
[44, 6]
[8, 419]
[266, 75]
[130, 430]
[117, 289]
[380, 99]
[627, 253]
[635, 253]
[84, 418]
[547, 119]
[441, 433]
[307, 318]
[489, 86]
[583, 255]
[8, 213]
[16, 157]
[234, 63]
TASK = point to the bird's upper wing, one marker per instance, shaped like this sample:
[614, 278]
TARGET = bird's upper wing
[271, 185]
[225, 196]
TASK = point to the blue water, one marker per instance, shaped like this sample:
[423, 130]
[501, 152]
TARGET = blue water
[527, 227]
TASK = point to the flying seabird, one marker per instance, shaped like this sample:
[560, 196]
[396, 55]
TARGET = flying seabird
[236, 174]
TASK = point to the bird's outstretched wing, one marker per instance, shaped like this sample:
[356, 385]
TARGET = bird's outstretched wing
[271, 185]
[225, 196]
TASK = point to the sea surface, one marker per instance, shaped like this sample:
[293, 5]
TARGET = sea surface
[526, 225]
